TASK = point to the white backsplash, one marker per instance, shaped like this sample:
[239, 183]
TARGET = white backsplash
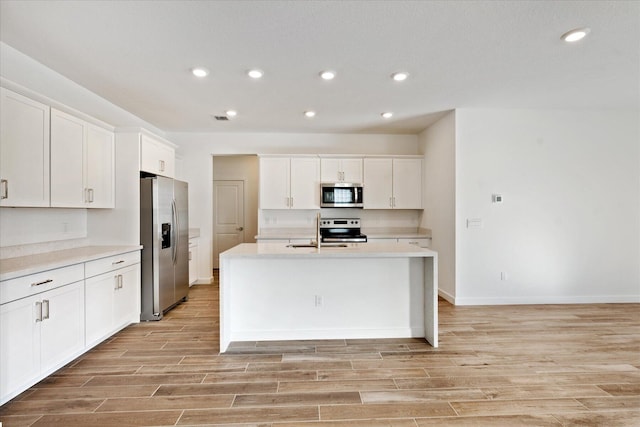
[305, 219]
[26, 231]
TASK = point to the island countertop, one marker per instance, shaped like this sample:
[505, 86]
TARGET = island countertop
[328, 250]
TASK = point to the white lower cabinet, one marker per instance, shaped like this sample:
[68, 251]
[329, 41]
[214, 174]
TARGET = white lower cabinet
[422, 242]
[51, 317]
[111, 298]
[39, 334]
[193, 261]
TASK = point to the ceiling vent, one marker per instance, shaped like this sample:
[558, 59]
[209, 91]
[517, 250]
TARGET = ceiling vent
[221, 118]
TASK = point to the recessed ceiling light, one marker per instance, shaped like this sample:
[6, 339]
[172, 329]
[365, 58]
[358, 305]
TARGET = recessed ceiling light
[328, 75]
[400, 76]
[387, 115]
[310, 113]
[200, 72]
[255, 73]
[575, 35]
[231, 113]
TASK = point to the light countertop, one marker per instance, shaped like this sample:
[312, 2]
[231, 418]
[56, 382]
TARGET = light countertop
[353, 250]
[11, 268]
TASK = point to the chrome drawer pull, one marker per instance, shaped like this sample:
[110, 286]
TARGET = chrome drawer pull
[117, 262]
[42, 283]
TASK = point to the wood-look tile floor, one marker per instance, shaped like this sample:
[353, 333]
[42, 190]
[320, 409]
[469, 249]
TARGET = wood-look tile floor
[553, 365]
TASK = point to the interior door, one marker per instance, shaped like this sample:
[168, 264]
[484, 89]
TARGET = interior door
[228, 216]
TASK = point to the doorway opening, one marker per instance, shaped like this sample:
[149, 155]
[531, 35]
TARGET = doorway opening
[235, 202]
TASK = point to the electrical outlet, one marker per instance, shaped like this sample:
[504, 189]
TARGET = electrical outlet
[318, 300]
[503, 275]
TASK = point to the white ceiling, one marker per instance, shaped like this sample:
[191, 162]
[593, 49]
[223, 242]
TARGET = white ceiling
[460, 54]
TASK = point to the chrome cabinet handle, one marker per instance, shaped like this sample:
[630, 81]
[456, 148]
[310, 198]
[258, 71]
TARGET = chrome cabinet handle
[117, 282]
[45, 309]
[190, 257]
[88, 195]
[291, 202]
[5, 189]
[38, 311]
[117, 262]
[161, 165]
[44, 282]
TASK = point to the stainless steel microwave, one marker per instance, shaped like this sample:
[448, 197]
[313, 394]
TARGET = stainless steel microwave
[340, 195]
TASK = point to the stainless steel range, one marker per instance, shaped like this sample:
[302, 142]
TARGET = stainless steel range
[340, 230]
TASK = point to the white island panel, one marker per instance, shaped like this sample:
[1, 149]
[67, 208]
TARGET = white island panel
[275, 292]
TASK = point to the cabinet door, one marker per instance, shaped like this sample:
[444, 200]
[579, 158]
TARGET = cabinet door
[407, 183]
[274, 183]
[19, 346]
[193, 261]
[352, 170]
[156, 157]
[126, 308]
[330, 170]
[62, 327]
[305, 183]
[99, 296]
[378, 183]
[421, 242]
[24, 151]
[100, 167]
[67, 160]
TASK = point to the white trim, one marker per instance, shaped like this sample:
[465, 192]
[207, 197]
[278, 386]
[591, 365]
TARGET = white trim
[323, 334]
[587, 299]
[447, 296]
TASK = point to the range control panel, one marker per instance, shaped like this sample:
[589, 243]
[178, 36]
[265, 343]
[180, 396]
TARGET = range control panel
[339, 222]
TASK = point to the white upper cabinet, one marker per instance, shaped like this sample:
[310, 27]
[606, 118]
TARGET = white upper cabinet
[100, 171]
[157, 157]
[407, 183]
[289, 183]
[305, 183]
[393, 183]
[378, 184]
[341, 170]
[82, 163]
[24, 151]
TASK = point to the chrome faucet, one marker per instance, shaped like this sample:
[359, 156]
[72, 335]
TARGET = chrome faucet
[318, 238]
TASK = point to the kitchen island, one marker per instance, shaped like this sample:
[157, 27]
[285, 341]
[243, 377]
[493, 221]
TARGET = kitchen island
[272, 291]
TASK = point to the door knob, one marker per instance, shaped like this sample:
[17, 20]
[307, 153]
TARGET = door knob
[239, 228]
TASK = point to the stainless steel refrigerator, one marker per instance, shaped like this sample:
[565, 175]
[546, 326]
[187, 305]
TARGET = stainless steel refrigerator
[164, 235]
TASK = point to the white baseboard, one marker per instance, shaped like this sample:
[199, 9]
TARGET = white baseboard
[447, 296]
[324, 334]
[205, 281]
[587, 299]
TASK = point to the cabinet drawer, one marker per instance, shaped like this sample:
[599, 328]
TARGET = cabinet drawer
[11, 290]
[104, 265]
[420, 241]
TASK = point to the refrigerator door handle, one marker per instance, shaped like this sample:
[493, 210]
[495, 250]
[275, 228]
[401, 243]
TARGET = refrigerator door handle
[176, 234]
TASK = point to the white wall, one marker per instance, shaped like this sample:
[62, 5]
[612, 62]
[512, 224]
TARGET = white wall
[568, 228]
[437, 143]
[33, 230]
[196, 150]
